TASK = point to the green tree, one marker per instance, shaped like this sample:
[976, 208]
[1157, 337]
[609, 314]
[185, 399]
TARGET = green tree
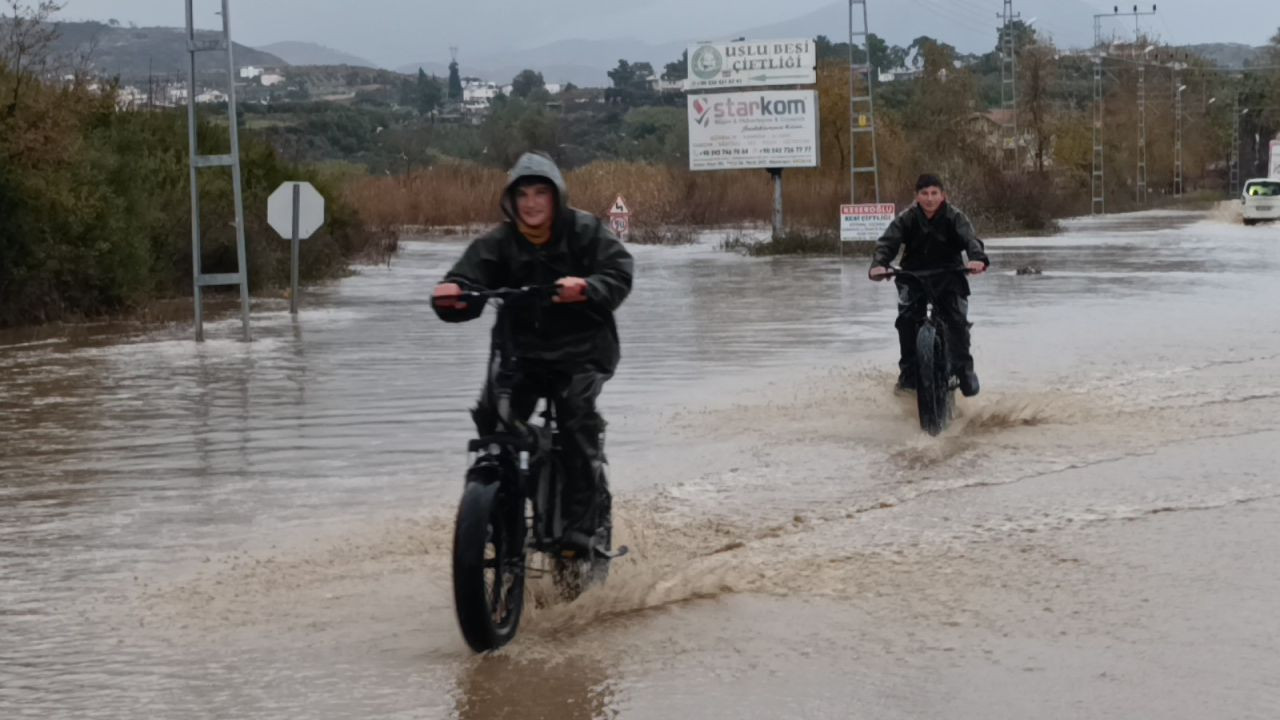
[678, 69]
[1038, 77]
[428, 93]
[526, 82]
[632, 84]
[455, 81]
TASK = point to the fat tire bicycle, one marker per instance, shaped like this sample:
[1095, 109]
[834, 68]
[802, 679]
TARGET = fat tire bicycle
[936, 380]
[512, 507]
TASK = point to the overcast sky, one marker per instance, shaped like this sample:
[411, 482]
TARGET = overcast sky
[396, 32]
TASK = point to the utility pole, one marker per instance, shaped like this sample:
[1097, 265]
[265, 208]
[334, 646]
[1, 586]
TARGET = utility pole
[1098, 178]
[1236, 112]
[1178, 87]
[1141, 180]
[862, 116]
[1008, 86]
[1136, 14]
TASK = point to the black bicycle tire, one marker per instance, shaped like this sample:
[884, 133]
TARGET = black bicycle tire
[932, 384]
[478, 511]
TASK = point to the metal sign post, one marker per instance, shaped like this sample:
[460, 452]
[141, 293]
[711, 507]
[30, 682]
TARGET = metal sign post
[199, 278]
[295, 210]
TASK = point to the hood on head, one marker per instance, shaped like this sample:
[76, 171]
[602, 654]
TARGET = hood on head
[533, 165]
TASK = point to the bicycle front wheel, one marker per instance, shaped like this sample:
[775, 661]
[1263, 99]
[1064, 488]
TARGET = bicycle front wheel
[933, 392]
[488, 566]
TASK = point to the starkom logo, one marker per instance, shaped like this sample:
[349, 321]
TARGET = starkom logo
[702, 112]
[706, 109]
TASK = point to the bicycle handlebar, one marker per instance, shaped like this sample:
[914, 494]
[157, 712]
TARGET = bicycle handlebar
[897, 271]
[475, 293]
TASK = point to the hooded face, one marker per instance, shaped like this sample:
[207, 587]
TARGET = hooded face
[535, 204]
[930, 199]
[535, 192]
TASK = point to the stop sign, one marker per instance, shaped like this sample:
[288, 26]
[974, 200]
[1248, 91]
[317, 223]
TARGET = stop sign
[310, 209]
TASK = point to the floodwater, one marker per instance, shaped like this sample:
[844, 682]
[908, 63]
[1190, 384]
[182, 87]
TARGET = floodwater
[262, 530]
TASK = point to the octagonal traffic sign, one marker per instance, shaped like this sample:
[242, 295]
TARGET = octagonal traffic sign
[310, 209]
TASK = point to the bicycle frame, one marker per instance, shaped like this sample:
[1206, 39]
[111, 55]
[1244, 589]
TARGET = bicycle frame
[525, 455]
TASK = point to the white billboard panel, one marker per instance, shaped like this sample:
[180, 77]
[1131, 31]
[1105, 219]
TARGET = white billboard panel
[725, 65]
[865, 222]
[759, 129]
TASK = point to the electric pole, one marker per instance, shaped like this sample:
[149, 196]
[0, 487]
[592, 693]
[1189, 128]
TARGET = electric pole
[1235, 145]
[1009, 86]
[1098, 178]
[1141, 180]
[1136, 15]
[1178, 87]
[862, 116]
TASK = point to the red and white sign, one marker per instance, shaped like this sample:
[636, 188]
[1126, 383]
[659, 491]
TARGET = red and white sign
[865, 222]
[620, 218]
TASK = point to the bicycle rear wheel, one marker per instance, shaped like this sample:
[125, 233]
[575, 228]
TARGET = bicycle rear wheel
[933, 394]
[488, 566]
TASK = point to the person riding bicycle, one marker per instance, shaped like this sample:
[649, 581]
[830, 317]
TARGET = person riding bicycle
[566, 349]
[932, 233]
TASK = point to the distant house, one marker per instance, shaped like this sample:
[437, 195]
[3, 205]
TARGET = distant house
[991, 125]
[129, 97]
[249, 72]
[270, 79]
[211, 96]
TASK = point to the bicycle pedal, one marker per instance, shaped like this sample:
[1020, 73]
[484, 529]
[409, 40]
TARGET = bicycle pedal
[611, 554]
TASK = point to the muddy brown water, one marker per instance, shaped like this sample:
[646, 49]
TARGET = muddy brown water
[262, 530]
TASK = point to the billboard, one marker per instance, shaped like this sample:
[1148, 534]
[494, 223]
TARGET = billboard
[726, 65]
[865, 222]
[758, 129]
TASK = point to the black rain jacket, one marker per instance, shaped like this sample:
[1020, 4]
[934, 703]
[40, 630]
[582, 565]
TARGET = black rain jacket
[580, 246]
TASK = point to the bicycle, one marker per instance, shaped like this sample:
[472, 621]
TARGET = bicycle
[936, 381]
[511, 505]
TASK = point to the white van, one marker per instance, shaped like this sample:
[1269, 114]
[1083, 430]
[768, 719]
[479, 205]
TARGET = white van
[1261, 199]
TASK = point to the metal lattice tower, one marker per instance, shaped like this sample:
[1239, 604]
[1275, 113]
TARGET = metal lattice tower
[1098, 178]
[1141, 180]
[1008, 85]
[1178, 87]
[1235, 147]
[200, 279]
[862, 116]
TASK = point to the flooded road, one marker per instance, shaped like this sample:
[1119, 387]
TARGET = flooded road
[262, 530]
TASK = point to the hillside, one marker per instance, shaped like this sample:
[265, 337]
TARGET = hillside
[307, 53]
[134, 53]
[1234, 55]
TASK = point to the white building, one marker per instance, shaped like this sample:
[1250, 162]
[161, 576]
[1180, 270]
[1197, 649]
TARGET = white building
[479, 91]
[211, 96]
[249, 72]
[130, 97]
[270, 79]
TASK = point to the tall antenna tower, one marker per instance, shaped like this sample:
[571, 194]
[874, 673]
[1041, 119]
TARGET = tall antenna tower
[1008, 85]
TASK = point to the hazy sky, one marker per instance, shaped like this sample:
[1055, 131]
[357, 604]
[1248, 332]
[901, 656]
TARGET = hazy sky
[395, 32]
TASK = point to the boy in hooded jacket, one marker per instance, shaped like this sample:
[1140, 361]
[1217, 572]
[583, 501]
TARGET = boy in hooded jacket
[567, 349]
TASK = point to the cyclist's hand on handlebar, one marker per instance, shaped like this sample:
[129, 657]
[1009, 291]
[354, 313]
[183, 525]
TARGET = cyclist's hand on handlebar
[879, 273]
[572, 290]
[975, 267]
[446, 295]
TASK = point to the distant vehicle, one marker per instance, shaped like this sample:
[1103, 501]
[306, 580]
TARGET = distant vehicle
[1261, 200]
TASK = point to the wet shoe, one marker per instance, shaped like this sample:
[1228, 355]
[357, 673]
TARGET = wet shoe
[969, 383]
[576, 543]
[906, 382]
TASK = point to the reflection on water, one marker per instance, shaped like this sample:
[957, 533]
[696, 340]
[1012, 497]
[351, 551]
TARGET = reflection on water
[129, 456]
[499, 687]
